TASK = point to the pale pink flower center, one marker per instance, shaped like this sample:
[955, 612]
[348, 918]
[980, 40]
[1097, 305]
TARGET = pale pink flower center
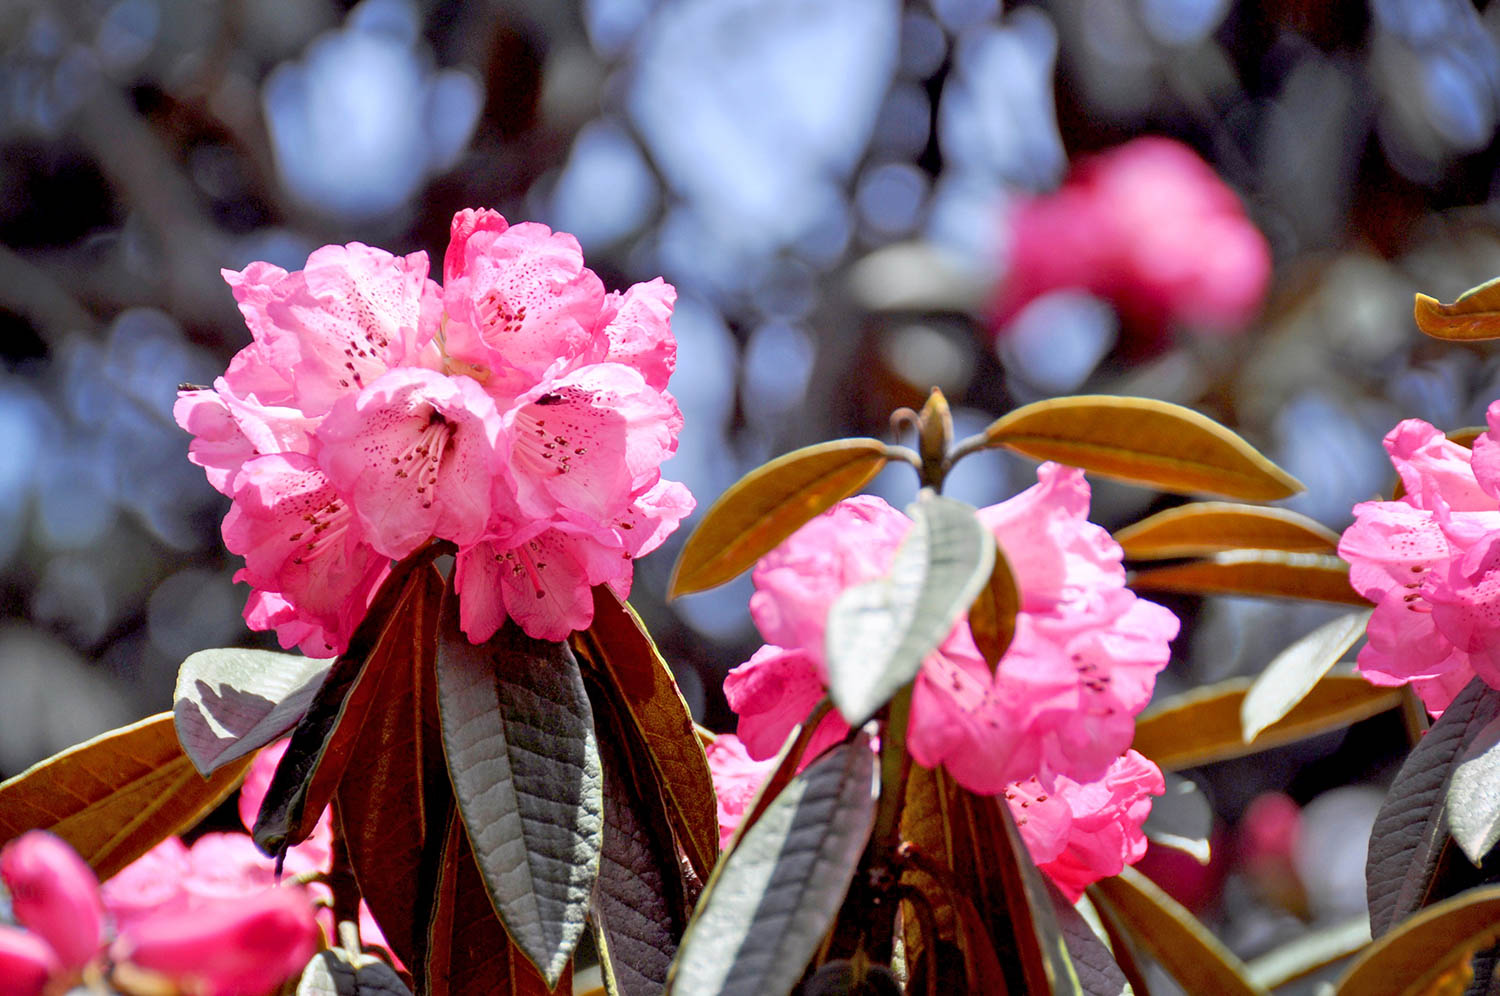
[424, 457]
[324, 526]
[496, 316]
[540, 449]
[520, 561]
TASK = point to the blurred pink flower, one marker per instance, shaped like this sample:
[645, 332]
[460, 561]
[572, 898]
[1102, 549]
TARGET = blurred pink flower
[27, 963]
[1149, 227]
[55, 895]
[519, 412]
[1062, 700]
[1429, 563]
[737, 777]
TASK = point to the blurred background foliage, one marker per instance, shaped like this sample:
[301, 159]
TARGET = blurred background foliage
[836, 187]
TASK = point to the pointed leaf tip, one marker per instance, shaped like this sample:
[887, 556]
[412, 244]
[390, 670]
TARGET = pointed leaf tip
[1473, 317]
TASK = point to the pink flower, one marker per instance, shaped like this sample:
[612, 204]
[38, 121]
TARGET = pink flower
[228, 947]
[1063, 699]
[737, 777]
[27, 963]
[1149, 227]
[1428, 562]
[519, 412]
[55, 895]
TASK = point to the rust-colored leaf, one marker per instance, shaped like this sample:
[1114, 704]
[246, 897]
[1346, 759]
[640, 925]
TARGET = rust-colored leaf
[1474, 317]
[392, 801]
[1179, 942]
[115, 797]
[1207, 527]
[769, 504]
[1429, 952]
[1264, 573]
[1143, 441]
[992, 617]
[619, 647]
[1203, 725]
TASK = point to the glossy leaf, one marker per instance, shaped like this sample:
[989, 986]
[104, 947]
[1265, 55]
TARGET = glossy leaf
[115, 797]
[1094, 966]
[1411, 830]
[394, 846]
[769, 504]
[518, 733]
[1203, 726]
[1189, 952]
[1264, 573]
[1430, 951]
[1206, 527]
[468, 951]
[775, 894]
[231, 702]
[1310, 952]
[878, 632]
[992, 617]
[1143, 441]
[1293, 672]
[1181, 818]
[1475, 316]
[617, 645]
[339, 973]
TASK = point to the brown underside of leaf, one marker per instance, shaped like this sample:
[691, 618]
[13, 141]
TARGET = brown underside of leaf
[1264, 573]
[769, 504]
[1474, 317]
[115, 797]
[1201, 528]
[992, 617]
[1429, 952]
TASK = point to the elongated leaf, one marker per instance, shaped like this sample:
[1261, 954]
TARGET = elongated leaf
[617, 645]
[1310, 952]
[394, 847]
[1293, 672]
[519, 736]
[1181, 819]
[1473, 317]
[776, 893]
[1203, 726]
[1094, 966]
[1474, 793]
[468, 951]
[1143, 441]
[879, 632]
[639, 905]
[1431, 946]
[1174, 937]
[231, 702]
[1266, 573]
[340, 973]
[769, 504]
[1411, 829]
[115, 797]
[992, 617]
[1205, 527]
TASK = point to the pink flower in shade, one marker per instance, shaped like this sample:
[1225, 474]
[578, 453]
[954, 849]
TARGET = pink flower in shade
[737, 777]
[1064, 697]
[55, 895]
[27, 963]
[1428, 562]
[1149, 227]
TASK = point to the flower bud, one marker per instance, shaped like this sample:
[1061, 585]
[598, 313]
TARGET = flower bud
[26, 962]
[55, 895]
[237, 947]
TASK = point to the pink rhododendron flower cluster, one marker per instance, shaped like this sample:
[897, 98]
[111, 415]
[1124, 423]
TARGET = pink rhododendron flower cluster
[1149, 227]
[1056, 715]
[228, 946]
[518, 411]
[1430, 562]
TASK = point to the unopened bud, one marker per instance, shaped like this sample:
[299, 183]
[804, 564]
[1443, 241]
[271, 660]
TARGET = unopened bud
[54, 895]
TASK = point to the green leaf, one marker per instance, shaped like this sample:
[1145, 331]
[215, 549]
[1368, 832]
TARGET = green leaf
[1206, 527]
[1474, 793]
[1428, 952]
[1411, 830]
[1262, 573]
[1143, 441]
[1294, 671]
[1176, 939]
[1474, 317]
[769, 504]
[1310, 952]
[879, 632]
[1181, 819]
[776, 893]
[341, 973]
[1202, 726]
[519, 736]
[992, 617]
[231, 702]
[115, 797]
